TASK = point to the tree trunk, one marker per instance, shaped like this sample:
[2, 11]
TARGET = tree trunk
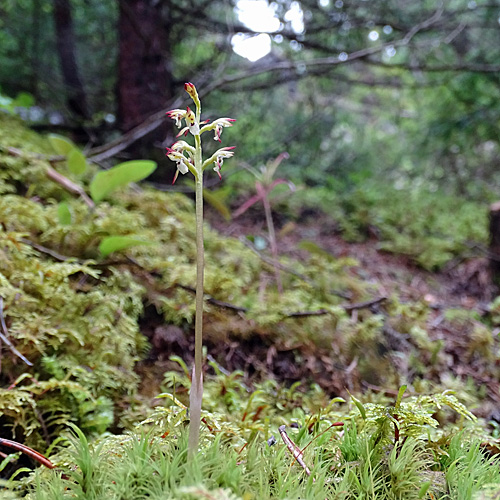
[143, 79]
[495, 244]
[35, 48]
[65, 38]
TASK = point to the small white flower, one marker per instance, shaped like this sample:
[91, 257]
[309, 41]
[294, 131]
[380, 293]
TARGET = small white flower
[177, 115]
[220, 155]
[182, 161]
[220, 124]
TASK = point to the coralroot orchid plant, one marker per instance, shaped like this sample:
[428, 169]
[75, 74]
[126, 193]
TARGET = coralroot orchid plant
[190, 158]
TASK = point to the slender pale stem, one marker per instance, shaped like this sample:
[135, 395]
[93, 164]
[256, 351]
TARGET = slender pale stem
[196, 394]
[272, 240]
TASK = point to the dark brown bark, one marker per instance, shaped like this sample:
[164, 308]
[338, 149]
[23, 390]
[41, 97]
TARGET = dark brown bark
[35, 48]
[495, 244]
[143, 79]
[65, 39]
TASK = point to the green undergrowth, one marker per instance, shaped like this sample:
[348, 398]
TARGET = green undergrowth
[72, 320]
[431, 228]
[74, 315]
[385, 449]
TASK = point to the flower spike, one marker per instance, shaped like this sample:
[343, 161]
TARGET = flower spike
[186, 156]
[190, 158]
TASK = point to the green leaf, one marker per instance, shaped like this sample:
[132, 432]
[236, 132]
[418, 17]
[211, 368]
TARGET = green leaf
[423, 489]
[77, 163]
[112, 244]
[130, 171]
[24, 100]
[359, 405]
[401, 391]
[64, 214]
[61, 145]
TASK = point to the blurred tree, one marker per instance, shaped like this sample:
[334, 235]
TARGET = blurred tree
[144, 82]
[350, 87]
[65, 42]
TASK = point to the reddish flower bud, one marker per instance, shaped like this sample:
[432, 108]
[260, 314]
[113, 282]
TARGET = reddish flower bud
[191, 90]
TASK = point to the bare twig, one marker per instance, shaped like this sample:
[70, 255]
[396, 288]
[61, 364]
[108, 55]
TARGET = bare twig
[297, 314]
[4, 337]
[155, 120]
[54, 175]
[294, 449]
[55, 255]
[69, 185]
[35, 455]
[364, 305]
[215, 302]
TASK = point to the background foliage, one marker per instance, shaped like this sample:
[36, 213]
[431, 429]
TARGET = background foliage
[389, 114]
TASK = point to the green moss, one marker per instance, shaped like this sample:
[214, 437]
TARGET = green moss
[75, 316]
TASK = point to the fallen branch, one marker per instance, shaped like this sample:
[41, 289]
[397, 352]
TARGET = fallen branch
[298, 314]
[45, 250]
[54, 175]
[35, 455]
[4, 337]
[69, 185]
[364, 305]
[208, 299]
[215, 302]
[36, 156]
[294, 449]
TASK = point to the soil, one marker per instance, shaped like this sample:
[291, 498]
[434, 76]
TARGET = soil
[463, 283]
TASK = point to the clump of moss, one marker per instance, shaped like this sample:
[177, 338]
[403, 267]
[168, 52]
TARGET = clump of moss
[75, 315]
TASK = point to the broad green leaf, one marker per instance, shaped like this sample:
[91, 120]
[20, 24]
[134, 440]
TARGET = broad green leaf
[130, 171]
[112, 244]
[62, 145]
[64, 214]
[77, 162]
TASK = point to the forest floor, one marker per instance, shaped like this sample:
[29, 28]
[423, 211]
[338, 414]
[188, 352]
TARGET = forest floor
[463, 284]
